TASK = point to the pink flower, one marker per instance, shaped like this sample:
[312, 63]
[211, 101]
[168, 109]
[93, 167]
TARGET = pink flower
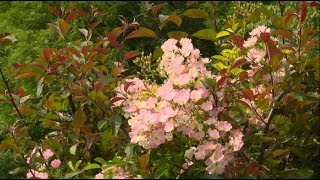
[47, 153]
[55, 163]
[169, 126]
[257, 31]
[166, 92]
[207, 106]
[236, 143]
[182, 80]
[182, 96]
[214, 134]
[99, 176]
[255, 54]
[223, 126]
[169, 45]
[250, 42]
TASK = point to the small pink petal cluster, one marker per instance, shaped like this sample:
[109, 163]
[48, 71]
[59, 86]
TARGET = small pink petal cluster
[37, 174]
[55, 163]
[41, 167]
[181, 104]
[118, 172]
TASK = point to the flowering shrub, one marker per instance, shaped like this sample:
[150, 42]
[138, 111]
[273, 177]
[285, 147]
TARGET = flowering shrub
[180, 105]
[251, 111]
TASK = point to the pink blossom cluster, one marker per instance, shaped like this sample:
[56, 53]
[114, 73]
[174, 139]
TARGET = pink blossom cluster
[41, 167]
[118, 172]
[182, 104]
[257, 58]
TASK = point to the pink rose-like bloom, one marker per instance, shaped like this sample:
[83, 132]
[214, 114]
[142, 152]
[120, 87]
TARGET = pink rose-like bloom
[47, 153]
[257, 31]
[37, 174]
[250, 42]
[99, 176]
[207, 106]
[169, 45]
[255, 54]
[182, 96]
[55, 163]
[214, 134]
[223, 126]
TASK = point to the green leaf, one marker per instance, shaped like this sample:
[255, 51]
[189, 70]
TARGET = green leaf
[115, 124]
[91, 166]
[73, 149]
[177, 34]
[144, 160]
[219, 66]
[222, 34]
[100, 160]
[32, 69]
[79, 118]
[77, 165]
[71, 166]
[157, 53]
[16, 170]
[106, 137]
[219, 57]
[142, 32]
[195, 13]
[175, 19]
[279, 152]
[207, 34]
[70, 175]
[64, 26]
[101, 124]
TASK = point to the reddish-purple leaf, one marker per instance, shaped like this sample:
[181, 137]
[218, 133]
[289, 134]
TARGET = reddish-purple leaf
[127, 86]
[54, 11]
[19, 91]
[237, 40]
[99, 85]
[75, 91]
[315, 4]
[283, 33]
[84, 50]
[302, 10]
[4, 35]
[265, 36]
[131, 54]
[74, 51]
[71, 16]
[248, 94]
[111, 103]
[243, 75]
[238, 62]
[156, 8]
[116, 32]
[94, 25]
[84, 14]
[112, 39]
[222, 80]
[47, 53]
[289, 15]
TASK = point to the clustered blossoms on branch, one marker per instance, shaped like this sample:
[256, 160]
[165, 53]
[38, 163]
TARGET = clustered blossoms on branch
[41, 172]
[257, 57]
[116, 171]
[182, 104]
